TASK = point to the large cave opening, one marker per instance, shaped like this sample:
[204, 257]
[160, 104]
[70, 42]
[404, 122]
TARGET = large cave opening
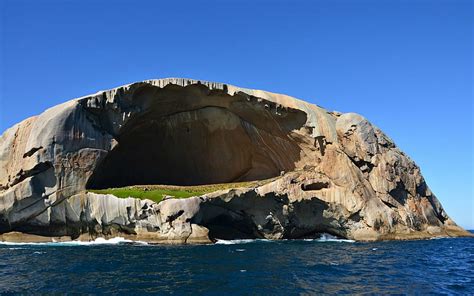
[205, 145]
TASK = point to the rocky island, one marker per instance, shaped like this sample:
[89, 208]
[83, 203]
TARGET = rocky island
[261, 165]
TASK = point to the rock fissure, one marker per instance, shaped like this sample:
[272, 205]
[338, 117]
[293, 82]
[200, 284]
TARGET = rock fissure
[32, 151]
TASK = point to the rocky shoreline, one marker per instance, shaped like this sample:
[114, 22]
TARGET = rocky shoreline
[330, 172]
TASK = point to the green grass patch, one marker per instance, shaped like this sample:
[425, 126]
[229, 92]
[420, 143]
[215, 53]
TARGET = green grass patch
[158, 192]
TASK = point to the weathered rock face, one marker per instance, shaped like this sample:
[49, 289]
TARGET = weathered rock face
[332, 172]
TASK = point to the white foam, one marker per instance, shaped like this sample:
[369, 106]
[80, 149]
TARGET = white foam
[239, 241]
[326, 237]
[97, 241]
[441, 237]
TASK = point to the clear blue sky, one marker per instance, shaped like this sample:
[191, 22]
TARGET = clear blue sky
[405, 65]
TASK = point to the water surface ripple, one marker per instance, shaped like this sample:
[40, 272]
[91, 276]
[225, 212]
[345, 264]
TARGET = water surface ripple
[440, 266]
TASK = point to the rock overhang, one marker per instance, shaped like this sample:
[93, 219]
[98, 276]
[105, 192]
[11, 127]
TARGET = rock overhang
[202, 132]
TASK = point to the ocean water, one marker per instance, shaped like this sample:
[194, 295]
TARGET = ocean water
[242, 267]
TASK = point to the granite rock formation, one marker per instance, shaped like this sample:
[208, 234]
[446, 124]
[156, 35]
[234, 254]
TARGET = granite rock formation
[328, 172]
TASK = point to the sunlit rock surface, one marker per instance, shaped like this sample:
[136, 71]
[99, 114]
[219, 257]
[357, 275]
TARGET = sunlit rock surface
[329, 172]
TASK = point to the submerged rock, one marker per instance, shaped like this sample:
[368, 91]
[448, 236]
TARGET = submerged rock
[327, 172]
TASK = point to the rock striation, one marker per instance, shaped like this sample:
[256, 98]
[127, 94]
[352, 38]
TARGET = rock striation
[326, 171]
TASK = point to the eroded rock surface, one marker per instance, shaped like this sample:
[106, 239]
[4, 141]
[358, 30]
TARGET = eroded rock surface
[331, 172]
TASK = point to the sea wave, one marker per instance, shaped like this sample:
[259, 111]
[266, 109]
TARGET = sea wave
[120, 240]
[325, 237]
[440, 237]
[239, 241]
[97, 241]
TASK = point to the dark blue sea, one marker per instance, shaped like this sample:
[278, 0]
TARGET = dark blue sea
[438, 266]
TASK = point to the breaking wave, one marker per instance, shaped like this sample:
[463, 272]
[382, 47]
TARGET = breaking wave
[240, 241]
[120, 240]
[97, 241]
[325, 237]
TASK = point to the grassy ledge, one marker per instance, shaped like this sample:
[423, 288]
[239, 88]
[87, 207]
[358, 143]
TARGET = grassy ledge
[156, 193]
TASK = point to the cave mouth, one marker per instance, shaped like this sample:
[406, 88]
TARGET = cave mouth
[226, 228]
[207, 145]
